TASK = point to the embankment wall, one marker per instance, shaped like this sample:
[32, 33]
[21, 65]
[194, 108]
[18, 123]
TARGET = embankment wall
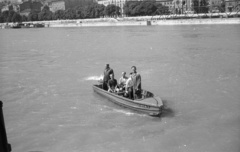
[138, 21]
[89, 23]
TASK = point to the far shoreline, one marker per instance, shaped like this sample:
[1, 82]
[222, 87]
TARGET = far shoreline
[138, 21]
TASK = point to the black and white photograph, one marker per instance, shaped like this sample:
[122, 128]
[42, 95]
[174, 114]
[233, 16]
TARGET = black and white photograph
[119, 75]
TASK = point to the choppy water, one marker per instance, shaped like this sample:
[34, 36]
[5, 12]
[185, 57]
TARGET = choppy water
[49, 106]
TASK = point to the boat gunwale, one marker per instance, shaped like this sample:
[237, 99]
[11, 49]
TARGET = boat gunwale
[126, 99]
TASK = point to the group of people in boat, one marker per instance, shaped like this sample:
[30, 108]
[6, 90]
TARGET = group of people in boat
[128, 86]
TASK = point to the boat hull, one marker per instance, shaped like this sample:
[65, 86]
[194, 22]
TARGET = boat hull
[151, 106]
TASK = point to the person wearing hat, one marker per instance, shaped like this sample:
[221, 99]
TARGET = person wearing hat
[106, 76]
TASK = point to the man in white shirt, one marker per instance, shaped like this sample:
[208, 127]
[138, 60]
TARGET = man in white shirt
[123, 80]
[129, 86]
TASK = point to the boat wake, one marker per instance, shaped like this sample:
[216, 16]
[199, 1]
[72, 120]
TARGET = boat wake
[128, 113]
[124, 112]
[94, 78]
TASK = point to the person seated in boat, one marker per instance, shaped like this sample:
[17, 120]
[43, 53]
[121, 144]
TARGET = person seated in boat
[106, 76]
[112, 84]
[122, 81]
[129, 86]
[136, 78]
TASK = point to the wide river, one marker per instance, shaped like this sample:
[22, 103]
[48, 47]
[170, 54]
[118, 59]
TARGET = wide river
[46, 78]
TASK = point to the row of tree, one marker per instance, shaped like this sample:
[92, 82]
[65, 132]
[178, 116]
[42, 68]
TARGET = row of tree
[91, 10]
[10, 16]
[142, 8]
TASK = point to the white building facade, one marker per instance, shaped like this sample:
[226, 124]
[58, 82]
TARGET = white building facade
[168, 3]
[56, 5]
[119, 3]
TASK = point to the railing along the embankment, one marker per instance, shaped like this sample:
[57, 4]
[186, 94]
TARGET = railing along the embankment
[197, 16]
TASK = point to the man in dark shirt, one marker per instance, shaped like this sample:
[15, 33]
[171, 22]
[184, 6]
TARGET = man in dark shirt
[112, 84]
[106, 76]
[137, 87]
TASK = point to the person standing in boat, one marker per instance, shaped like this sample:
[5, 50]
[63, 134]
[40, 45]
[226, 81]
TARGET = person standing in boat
[136, 77]
[106, 76]
[112, 83]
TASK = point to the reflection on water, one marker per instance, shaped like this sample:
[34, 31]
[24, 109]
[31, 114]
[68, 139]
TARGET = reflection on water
[49, 105]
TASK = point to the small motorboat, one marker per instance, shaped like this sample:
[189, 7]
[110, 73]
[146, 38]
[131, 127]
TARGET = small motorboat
[146, 103]
[26, 25]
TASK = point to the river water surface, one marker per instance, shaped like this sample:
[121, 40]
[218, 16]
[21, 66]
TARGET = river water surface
[46, 78]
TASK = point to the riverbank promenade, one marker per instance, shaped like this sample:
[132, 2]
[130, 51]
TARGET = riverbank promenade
[182, 19]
